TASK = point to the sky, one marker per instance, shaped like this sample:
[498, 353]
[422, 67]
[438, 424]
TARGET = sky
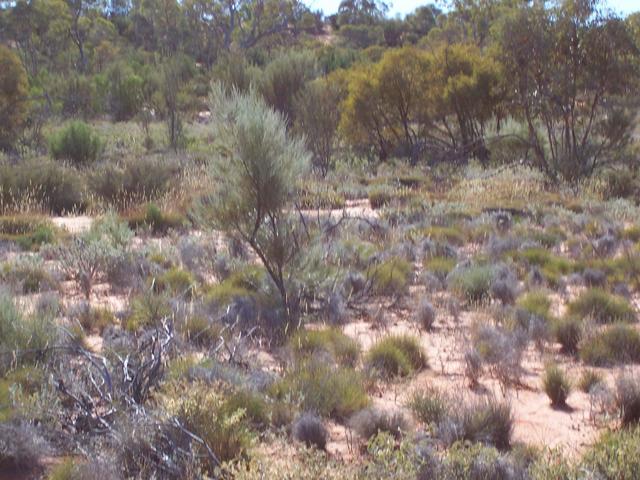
[402, 7]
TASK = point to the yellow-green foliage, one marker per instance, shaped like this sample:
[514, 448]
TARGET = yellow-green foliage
[618, 343]
[396, 356]
[440, 266]
[28, 231]
[242, 283]
[392, 276]
[552, 266]
[148, 309]
[452, 235]
[331, 391]
[602, 307]
[224, 429]
[537, 303]
[176, 282]
[343, 349]
[97, 319]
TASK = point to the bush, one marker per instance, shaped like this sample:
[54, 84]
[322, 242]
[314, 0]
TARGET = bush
[426, 315]
[486, 421]
[331, 341]
[602, 307]
[556, 385]
[176, 282]
[504, 290]
[13, 97]
[21, 447]
[396, 356]
[253, 405]
[329, 391]
[568, 333]
[158, 221]
[616, 344]
[472, 283]
[614, 456]
[228, 434]
[41, 185]
[284, 78]
[589, 379]
[628, 398]
[77, 143]
[440, 266]
[536, 303]
[429, 405]
[23, 339]
[309, 429]
[391, 277]
[28, 231]
[371, 421]
[147, 310]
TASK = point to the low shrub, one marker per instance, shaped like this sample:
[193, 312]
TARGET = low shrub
[226, 433]
[501, 351]
[440, 266]
[253, 405]
[148, 309]
[77, 143]
[391, 277]
[485, 420]
[616, 344]
[396, 356]
[371, 421]
[22, 448]
[426, 315]
[589, 379]
[556, 385]
[158, 221]
[504, 290]
[93, 319]
[451, 235]
[568, 333]
[614, 456]
[429, 405]
[342, 349]
[24, 339]
[602, 307]
[309, 429]
[176, 282]
[41, 185]
[536, 303]
[627, 398]
[318, 387]
[28, 231]
[473, 283]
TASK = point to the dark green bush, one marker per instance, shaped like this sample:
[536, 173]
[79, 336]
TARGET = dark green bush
[568, 333]
[77, 143]
[556, 385]
[628, 398]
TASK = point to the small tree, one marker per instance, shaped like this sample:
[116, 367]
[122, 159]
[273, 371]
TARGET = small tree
[254, 176]
[13, 96]
[317, 117]
[570, 71]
